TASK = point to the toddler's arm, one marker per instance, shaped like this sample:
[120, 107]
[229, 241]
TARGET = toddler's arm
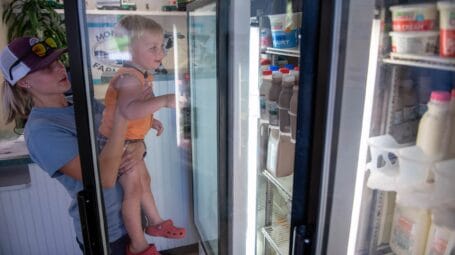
[135, 102]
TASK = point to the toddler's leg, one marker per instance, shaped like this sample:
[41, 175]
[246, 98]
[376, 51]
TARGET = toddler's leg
[131, 209]
[148, 200]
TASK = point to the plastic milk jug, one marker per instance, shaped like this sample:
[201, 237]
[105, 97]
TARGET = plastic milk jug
[441, 241]
[409, 230]
[293, 111]
[263, 93]
[274, 93]
[285, 157]
[452, 125]
[272, 148]
[284, 102]
[263, 137]
[432, 135]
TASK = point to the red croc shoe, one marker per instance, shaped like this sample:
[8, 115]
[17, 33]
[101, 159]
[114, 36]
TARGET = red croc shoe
[151, 250]
[166, 229]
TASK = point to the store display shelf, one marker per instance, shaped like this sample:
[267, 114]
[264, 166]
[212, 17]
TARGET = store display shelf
[291, 52]
[278, 238]
[126, 12]
[284, 184]
[433, 62]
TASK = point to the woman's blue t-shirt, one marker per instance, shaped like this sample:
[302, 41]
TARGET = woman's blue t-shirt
[50, 134]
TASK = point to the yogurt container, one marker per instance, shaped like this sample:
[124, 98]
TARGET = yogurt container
[447, 28]
[285, 29]
[422, 43]
[414, 17]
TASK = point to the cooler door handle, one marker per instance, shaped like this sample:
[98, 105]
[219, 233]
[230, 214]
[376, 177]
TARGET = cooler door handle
[301, 243]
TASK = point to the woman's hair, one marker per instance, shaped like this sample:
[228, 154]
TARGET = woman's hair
[17, 102]
[133, 26]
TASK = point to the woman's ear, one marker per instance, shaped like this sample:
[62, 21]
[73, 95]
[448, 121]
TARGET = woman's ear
[23, 83]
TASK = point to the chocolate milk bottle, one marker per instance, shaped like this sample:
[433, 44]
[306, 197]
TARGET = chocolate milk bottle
[284, 102]
[263, 93]
[285, 155]
[273, 96]
[293, 111]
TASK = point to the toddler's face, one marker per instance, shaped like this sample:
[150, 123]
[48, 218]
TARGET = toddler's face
[147, 51]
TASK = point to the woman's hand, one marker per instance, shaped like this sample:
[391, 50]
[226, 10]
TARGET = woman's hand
[158, 126]
[132, 155]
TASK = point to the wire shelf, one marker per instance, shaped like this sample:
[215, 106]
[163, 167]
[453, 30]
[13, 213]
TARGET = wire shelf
[283, 184]
[291, 52]
[433, 62]
[278, 237]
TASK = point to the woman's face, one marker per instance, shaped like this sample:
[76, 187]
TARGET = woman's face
[50, 80]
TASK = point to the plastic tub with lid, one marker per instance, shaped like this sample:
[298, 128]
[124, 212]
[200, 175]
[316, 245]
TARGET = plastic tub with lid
[414, 17]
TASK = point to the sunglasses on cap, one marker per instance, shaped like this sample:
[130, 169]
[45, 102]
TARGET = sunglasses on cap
[40, 49]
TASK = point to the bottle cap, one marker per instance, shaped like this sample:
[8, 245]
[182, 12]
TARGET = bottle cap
[440, 96]
[284, 70]
[274, 68]
[289, 66]
[267, 72]
[265, 61]
[296, 68]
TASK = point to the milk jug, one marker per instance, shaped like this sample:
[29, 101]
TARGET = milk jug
[263, 93]
[452, 126]
[285, 155]
[272, 149]
[284, 102]
[409, 230]
[432, 135]
[274, 93]
[441, 241]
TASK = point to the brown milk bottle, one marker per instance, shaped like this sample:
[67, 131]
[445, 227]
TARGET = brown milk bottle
[284, 103]
[293, 111]
[273, 95]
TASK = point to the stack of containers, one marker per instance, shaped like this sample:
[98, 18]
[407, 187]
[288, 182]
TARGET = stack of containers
[415, 29]
[447, 28]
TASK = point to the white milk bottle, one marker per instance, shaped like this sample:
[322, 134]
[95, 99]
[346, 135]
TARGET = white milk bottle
[452, 126]
[284, 102]
[263, 93]
[274, 93]
[272, 149]
[441, 240]
[409, 230]
[432, 135]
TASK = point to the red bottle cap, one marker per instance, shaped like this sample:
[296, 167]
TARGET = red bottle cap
[443, 96]
[267, 72]
[284, 70]
[265, 61]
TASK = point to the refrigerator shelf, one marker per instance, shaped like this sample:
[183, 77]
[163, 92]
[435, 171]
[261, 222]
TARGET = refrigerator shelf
[291, 52]
[433, 62]
[283, 184]
[278, 237]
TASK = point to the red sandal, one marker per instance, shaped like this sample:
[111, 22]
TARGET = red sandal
[166, 229]
[151, 250]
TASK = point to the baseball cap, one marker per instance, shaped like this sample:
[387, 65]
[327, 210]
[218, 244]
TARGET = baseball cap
[27, 54]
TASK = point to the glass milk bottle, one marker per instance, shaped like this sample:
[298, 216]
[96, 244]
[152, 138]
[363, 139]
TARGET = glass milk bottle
[263, 93]
[284, 102]
[432, 135]
[452, 126]
[274, 93]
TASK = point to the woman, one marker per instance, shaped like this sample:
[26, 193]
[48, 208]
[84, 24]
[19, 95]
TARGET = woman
[35, 82]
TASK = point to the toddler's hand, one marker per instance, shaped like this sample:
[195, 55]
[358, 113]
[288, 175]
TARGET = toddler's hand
[158, 126]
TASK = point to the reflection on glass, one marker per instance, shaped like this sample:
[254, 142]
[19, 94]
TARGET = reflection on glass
[202, 53]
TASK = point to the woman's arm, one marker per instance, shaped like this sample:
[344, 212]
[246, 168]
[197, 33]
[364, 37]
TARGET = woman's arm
[136, 102]
[110, 156]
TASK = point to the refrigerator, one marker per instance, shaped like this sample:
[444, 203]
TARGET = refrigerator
[370, 171]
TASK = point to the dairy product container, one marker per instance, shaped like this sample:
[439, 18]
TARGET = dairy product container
[265, 34]
[284, 102]
[446, 28]
[444, 184]
[285, 157]
[272, 149]
[441, 240]
[273, 95]
[451, 149]
[263, 137]
[263, 93]
[293, 111]
[432, 135]
[414, 17]
[285, 29]
[421, 43]
[409, 230]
